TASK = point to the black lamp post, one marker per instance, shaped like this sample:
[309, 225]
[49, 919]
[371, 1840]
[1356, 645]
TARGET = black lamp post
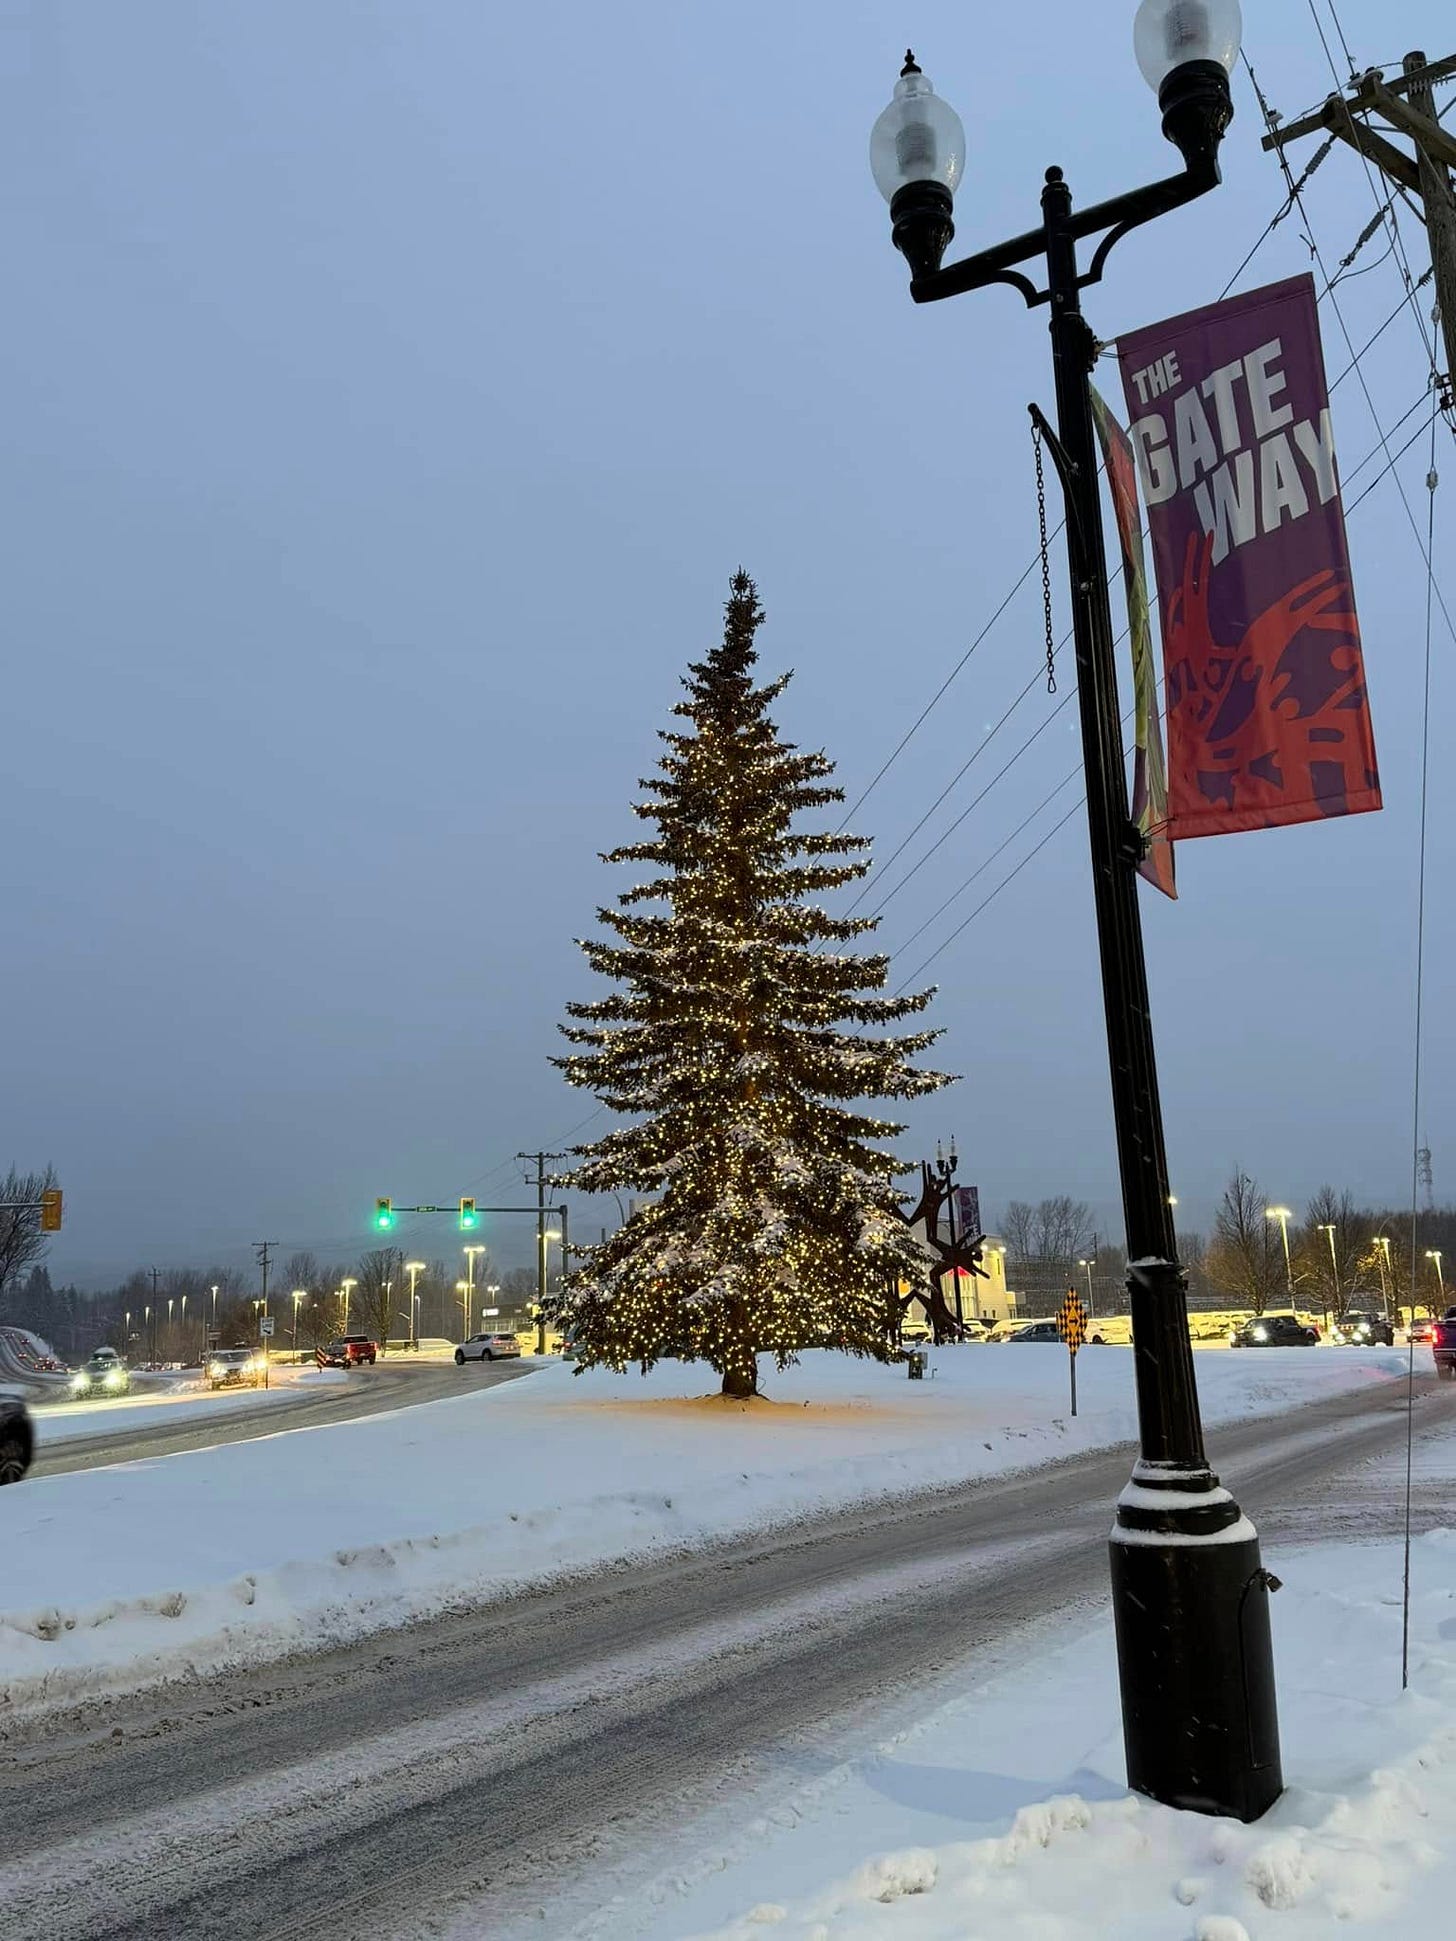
[1190, 1596]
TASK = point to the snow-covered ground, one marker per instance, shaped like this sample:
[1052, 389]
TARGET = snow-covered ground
[182, 1400]
[397, 1516]
[122, 1574]
[1002, 1814]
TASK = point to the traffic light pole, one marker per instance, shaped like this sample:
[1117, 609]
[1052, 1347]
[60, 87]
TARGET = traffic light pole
[540, 1159]
[540, 1209]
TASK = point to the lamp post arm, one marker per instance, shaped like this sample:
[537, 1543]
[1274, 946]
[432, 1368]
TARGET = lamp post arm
[1117, 216]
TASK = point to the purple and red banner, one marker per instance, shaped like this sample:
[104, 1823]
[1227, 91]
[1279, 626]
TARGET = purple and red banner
[1268, 718]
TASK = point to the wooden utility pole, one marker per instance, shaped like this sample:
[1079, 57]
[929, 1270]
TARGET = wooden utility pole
[1407, 107]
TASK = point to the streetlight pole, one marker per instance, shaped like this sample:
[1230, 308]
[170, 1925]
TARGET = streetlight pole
[1190, 1595]
[1328, 1230]
[1086, 1266]
[1281, 1214]
[1434, 1253]
[1382, 1242]
[462, 1288]
[299, 1294]
[346, 1286]
[414, 1268]
[470, 1253]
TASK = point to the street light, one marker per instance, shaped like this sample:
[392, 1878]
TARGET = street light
[470, 1253]
[1190, 1595]
[346, 1286]
[414, 1268]
[1327, 1229]
[298, 1294]
[1086, 1266]
[1283, 1215]
[462, 1288]
[1434, 1253]
[1382, 1241]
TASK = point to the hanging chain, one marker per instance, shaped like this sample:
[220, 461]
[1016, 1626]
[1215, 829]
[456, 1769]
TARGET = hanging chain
[1046, 571]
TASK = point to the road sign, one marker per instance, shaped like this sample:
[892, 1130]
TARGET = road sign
[1072, 1328]
[266, 1326]
[488, 1311]
[1072, 1322]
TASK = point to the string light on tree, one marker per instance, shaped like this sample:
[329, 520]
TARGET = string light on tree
[738, 1049]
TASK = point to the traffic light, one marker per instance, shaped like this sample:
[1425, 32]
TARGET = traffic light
[50, 1210]
[384, 1215]
[469, 1218]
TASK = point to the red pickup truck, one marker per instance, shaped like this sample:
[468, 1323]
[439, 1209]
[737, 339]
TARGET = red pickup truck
[1443, 1344]
[347, 1351]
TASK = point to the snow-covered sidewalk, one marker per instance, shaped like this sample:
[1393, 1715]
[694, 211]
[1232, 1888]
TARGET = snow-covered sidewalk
[1003, 1815]
[185, 1564]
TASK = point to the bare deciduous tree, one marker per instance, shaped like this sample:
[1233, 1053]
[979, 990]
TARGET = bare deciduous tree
[22, 1243]
[380, 1275]
[1246, 1257]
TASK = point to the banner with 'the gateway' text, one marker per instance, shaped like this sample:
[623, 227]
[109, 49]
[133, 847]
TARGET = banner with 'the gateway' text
[1267, 715]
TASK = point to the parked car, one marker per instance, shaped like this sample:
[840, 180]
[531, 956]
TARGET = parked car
[1274, 1331]
[348, 1351]
[487, 1347]
[234, 1368]
[1443, 1344]
[104, 1374]
[1035, 1331]
[1360, 1330]
[17, 1439]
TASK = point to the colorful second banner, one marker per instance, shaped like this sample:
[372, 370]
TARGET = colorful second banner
[1268, 718]
[1149, 775]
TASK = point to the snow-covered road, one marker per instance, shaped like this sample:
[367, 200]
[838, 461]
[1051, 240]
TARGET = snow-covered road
[490, 1773]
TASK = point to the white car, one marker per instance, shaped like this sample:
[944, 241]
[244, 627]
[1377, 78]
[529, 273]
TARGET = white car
[487, 1347]
[232, 1367]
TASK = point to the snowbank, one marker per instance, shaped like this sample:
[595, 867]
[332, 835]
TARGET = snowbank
[1004, 1816]
[183, 1564]
[69, 1421]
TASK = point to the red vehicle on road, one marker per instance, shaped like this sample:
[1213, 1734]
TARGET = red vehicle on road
[1443, 1344]
[348, 1351]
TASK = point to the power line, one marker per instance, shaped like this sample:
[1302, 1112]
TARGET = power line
[1031, 817]
[930, 705]
[1269, 122]
[960, 773]
[975, 801]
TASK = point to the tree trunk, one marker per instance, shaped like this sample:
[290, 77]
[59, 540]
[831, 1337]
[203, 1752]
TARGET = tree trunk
[740, 1364]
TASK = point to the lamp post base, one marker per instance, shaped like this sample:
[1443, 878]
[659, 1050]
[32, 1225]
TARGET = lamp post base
[1195, 1662]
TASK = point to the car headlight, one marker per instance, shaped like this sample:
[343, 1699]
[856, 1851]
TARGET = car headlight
[80, 1384]
[116, 1378]
[216, 1368]
[1261, 1334]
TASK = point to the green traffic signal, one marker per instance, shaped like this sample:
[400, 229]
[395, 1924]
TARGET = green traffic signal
[469, 1218]
[384, 1215]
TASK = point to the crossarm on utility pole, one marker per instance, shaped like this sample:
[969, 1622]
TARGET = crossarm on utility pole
[1408, 106]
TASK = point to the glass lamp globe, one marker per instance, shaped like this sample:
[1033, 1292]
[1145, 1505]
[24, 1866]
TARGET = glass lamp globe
[1167, 34]
[918, 138]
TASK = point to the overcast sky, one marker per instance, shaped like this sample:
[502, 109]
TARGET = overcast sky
[392, 389]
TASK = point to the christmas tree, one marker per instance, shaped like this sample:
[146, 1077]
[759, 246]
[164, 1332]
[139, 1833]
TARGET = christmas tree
[741, 1044]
